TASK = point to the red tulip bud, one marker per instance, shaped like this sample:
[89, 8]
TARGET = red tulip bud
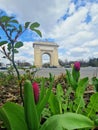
[77, 66]
[36, 91]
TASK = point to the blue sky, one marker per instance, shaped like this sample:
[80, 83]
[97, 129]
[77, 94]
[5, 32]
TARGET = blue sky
[72, 24]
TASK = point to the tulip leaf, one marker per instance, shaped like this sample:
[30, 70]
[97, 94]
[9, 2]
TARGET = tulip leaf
[12, 115]
[54, 104]
[92, 107]
[42, 90]
[45, 99]
[31, 115]
[82, 85]
[69, 121]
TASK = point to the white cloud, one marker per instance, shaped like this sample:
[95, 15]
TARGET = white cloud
[26, 53]
[70, 26]
[78, 38]
[79, 50]
[93, 43]
[71, 8]
[46, 12]
[95, 54]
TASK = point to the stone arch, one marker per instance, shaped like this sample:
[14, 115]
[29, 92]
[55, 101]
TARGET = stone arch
[41, 48]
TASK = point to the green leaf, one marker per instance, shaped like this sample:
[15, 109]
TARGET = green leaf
[12, 115]
[31, 114]
[38, 32]
[9, 46]
[68, 76]
[8, 26]
[18, 45]
[54, 104]
[75, 74]
[59, 92]
[95, 83]
[14, 21]
[45, 99]
[70, 80]
[69, 121]
[79, 103]
[92, 107]
[34, 25]
[42, 90]
[82, 85]
[68, 103]
[3, 42]
[20, 28]
[60, 95]
[15, 51]
[4, 19]
[27, 24]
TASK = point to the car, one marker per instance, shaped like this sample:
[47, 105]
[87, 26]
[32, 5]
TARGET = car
[53, 66]
[3, 68]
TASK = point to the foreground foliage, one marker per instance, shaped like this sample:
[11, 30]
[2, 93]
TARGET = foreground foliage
[54, 109]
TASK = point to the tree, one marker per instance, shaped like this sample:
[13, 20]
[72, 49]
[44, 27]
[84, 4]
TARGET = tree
[23, 63]
[13, 30]
[61, 62]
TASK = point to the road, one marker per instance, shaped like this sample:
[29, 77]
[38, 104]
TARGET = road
[84, 71]
[44, 72]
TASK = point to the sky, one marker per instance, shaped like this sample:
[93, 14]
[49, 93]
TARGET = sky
[72, 24]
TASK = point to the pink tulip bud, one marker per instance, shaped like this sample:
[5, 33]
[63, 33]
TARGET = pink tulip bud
[36, 91]
[77, 66]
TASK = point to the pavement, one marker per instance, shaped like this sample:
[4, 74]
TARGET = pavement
[44, 72]
[84, 71]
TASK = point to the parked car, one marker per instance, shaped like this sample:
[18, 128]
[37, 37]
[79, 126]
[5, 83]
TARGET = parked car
[3, 68]
[53, 66]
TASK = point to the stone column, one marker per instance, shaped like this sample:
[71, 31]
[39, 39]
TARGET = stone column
[55, 57]
[37, 57]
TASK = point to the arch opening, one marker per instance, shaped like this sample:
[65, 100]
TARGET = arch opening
[46, 60]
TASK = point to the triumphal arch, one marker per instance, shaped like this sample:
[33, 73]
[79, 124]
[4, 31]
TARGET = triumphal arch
[49, 48]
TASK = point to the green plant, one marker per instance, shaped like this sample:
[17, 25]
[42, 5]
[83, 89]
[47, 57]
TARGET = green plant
[7, 80]
[30, 113]
[73, 77]
[67, 121]
[72, 98]
[28, 118]
[13, 30]
[95, 83]
[65, 113]
[29, 73]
